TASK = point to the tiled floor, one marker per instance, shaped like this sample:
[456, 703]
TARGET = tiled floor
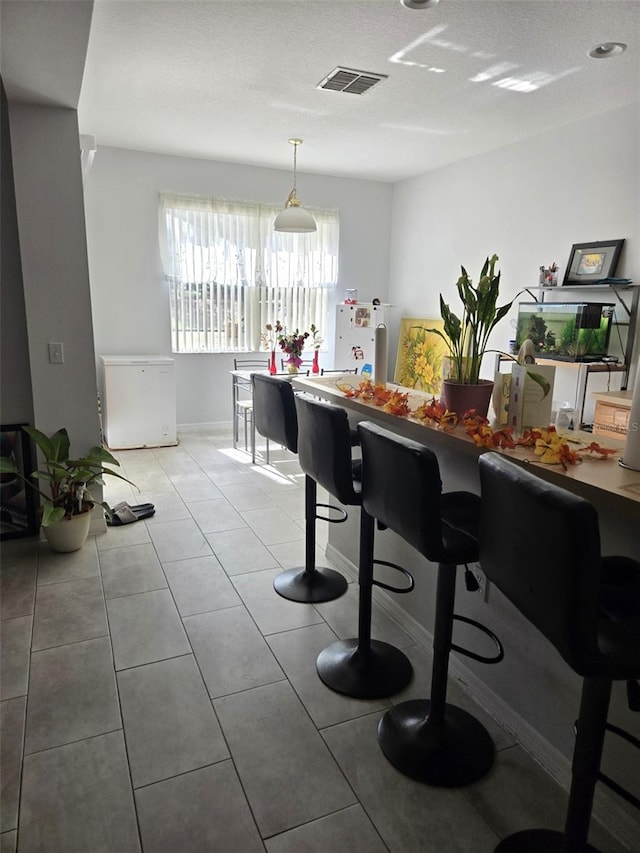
[158, 695]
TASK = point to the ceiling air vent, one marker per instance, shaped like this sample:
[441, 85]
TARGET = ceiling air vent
[350, 80]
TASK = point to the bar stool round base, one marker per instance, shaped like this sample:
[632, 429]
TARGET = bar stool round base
[456, 752]
[312, 587]
[536, 841]
[382, 671]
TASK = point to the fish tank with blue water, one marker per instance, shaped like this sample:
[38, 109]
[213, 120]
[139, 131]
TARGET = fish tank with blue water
[566, 331]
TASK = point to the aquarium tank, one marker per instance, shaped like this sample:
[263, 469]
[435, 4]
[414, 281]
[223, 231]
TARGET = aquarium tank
[567, 331]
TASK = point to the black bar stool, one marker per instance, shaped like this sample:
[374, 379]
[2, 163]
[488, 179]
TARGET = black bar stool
[549, 566]
[429, 740]
[276, 419]
[362, 667]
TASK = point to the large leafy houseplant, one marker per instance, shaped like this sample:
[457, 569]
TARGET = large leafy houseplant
[467, 336]
[68, 479]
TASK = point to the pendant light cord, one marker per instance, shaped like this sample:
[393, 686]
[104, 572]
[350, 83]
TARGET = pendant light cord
[295, 166]
[292, 195]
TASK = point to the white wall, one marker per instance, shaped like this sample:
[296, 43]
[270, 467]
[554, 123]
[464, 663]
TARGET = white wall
[129, 297]
[48, 193]
[529, 203]
[15, 373]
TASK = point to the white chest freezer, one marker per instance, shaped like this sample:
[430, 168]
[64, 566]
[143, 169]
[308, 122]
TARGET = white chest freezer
[138, 395]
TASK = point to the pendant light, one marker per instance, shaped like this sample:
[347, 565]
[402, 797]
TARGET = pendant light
[294, 218]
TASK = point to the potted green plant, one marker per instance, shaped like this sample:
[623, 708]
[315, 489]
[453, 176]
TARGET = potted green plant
[66, 509]
[467, 337]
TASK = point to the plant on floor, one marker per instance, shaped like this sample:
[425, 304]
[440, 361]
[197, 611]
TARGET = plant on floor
[68, 479]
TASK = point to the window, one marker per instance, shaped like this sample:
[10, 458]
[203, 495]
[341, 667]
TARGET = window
[230, 273]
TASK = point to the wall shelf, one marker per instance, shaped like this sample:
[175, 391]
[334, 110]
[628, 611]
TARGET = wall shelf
[628, 296]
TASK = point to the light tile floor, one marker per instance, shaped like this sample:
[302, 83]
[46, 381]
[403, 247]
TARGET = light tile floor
[158, 695]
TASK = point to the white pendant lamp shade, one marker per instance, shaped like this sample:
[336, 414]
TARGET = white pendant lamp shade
[294, 218]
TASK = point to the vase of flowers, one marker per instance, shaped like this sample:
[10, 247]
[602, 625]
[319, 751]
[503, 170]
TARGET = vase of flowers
[316, 340]
[269, 339]
[293, 345]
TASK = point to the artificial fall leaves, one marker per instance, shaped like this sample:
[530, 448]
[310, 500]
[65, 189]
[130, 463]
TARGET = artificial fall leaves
[549, 445]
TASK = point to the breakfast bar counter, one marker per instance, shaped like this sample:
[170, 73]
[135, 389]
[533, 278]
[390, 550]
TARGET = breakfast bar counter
[600, 480]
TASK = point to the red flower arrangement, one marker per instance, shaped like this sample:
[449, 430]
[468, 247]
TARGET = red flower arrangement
[293, 345]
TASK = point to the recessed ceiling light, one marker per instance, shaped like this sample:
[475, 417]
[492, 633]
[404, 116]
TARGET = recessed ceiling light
[419, 4]
[607, 49]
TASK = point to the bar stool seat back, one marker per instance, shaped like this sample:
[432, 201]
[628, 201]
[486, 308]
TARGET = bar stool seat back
[403, 490]
[540, 545]
[541, 548]
[275, 410]
[324, 450]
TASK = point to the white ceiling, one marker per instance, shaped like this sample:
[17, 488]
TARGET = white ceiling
[232, 80]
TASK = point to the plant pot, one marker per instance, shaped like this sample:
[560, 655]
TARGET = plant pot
[459, 397]
[70, 534]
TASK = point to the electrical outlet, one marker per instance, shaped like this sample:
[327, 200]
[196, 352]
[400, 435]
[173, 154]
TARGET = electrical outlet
[483, 581]
[56, 354]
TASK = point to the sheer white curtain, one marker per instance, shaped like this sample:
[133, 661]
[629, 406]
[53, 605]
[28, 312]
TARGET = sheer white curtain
[230, 273]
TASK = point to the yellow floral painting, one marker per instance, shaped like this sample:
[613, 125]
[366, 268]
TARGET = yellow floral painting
[420, 354]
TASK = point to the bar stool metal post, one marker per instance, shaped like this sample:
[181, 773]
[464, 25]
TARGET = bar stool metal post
[276, 419]
[361, 667]
[428, 740]
[586, 605]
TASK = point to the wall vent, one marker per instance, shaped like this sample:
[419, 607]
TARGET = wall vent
[350, 80]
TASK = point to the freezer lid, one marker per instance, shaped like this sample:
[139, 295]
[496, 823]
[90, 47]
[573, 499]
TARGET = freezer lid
[135, 360]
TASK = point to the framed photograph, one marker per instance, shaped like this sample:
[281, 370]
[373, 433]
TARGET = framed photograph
[18, 504]
[589, 263]
[420, 354]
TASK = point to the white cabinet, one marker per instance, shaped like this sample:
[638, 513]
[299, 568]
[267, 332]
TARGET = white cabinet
[138, 395]
[355, 334]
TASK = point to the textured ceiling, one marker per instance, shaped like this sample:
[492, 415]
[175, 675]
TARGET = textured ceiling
[232, 80]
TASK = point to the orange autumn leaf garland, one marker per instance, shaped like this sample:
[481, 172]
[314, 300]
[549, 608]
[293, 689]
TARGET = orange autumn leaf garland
[549, 445]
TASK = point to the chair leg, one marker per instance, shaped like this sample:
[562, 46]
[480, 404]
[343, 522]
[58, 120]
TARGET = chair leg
[310, 584]
[362, 667]
[587, 755]
[253, 439]
[430, 740]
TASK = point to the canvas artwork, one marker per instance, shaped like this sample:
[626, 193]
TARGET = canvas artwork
[420, 354]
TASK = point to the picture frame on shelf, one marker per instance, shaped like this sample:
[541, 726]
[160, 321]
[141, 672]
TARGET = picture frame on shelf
[590, 263]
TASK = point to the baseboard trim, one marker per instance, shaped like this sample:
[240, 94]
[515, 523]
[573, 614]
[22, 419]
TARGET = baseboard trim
[216, 425]
[606, 808]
